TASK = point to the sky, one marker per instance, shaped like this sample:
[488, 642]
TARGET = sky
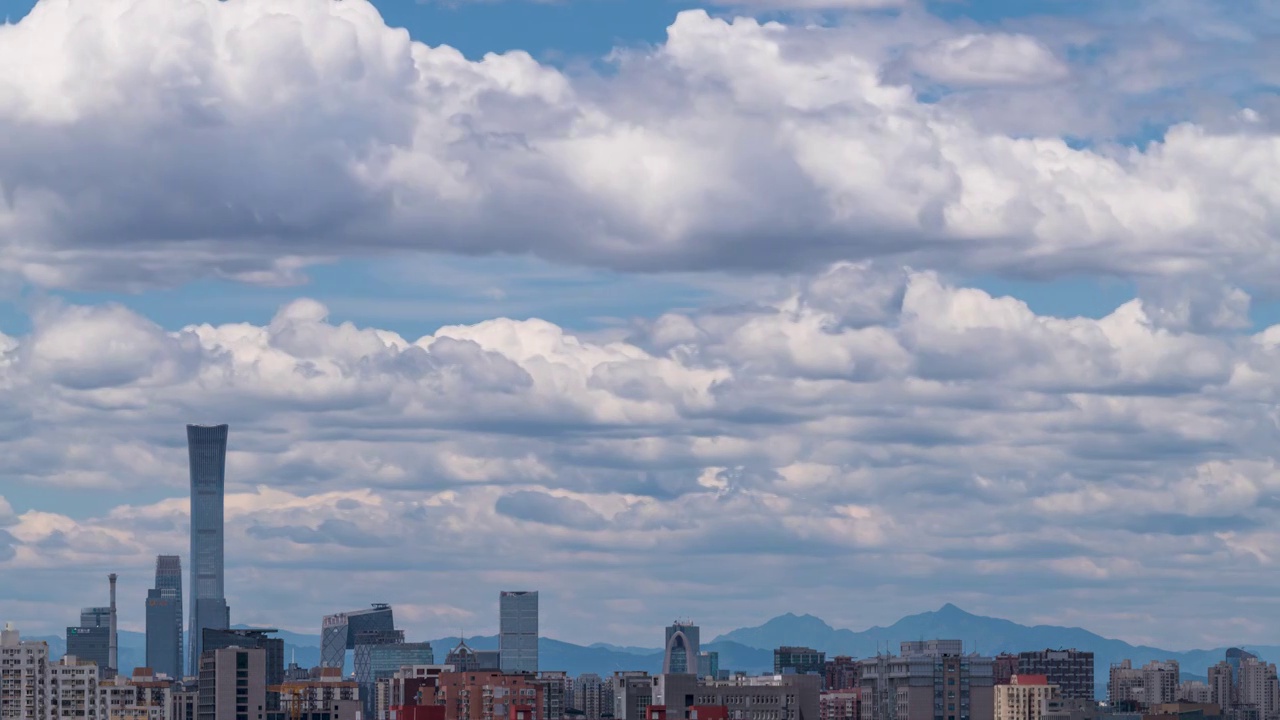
[712, 311]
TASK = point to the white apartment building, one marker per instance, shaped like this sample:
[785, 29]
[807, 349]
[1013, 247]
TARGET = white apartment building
[24, 677]
[73, 689]
[1195, 691]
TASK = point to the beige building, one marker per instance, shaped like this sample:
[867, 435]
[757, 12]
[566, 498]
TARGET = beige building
[222, 695]
[1024, 698]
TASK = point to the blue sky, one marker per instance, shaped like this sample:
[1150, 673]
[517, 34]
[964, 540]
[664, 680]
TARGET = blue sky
[969, 301]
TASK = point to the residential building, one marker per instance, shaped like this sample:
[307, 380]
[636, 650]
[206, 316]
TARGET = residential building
[328, 695]
[1003, 667]
[929, 680]
[485, 695]
[1071, 670]
[207, 456]
[767, 697]
[1194, 691]
[798, 660]
[841, 673]
[1222, 687]
[24, 676]
[682, 647]
[232, 684]
[184, 702]
[593, 696]
[1023, 698]
[153, 695]
[839, 705]
[1137, 688]
[632, 693]
[1257, 687]
[1124, 686]
[557, 690]
[73, 689]
[116, 697]
[338, 632]
[518, 631]
[164, 618]
[249, 638]
[1160, 682]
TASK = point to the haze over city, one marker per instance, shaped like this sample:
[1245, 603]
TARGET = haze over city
[714, 311]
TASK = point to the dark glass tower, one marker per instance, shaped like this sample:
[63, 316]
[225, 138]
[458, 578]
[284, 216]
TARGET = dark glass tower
[207, 450]
[164, 618]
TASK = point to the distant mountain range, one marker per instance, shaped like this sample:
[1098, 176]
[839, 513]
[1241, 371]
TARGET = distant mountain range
[751, 649]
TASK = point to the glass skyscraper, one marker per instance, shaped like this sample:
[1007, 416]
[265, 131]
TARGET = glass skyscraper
[681, 656]
[164, 618]
[338, 632]
[207, 451]
[518, 632]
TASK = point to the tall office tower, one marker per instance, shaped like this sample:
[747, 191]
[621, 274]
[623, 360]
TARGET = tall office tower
[90, 641]
[682, 649]
[518, 632]
[233, 684]
[207, 454]
[24, 676]
[164, 618]
[338, 632]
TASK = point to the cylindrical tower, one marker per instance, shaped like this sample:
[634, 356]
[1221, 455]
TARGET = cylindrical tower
[113, 647]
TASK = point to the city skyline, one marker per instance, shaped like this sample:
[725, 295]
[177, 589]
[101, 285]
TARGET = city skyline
[715, 310]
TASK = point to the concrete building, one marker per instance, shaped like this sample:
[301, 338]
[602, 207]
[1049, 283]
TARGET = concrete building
[207, 456]
[1258, 688]
[557, 692]
[164, 618]
[839, 705]
[328, 696]
[929, 680]
[464, 659]
[1222, 685]
[1071, 670]
[1133, 688]
[24, 676]
[518, 631]
[73, 689]
[1069, 709]
[767, 697]
[682, 648]
[232, 684]
[798, 660]
[252, 638]
[485, 695]
[841, 673]
[593, 696]
[153, 695]
[117, 697]
[1023, 698]
[184, 702]
[632, 693]
[1194, 691]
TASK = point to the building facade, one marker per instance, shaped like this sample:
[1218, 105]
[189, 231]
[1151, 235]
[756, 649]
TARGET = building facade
[767, 697]
[1071, 670]
[593, 696]
[841, 673]
[164, 618]
[207, 456]
[338, 632]
[839, 705]
[518, 631]
[232, 684]
[1023, 698]
[24, 676]
[73, 689]
[632, 694]
[798, 660]
[681, 649]
[930, 680]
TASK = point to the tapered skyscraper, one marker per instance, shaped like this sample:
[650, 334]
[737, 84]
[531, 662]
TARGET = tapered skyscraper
[207, 450]
[164, 618]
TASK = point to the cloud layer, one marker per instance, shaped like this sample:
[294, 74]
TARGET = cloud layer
[147, 145]
[925, 439]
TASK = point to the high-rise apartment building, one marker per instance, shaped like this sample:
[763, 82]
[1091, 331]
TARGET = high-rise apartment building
[24, 676]
[484, 695]
[557, 692]
[232, 684]
[1194, 691]
[1023, 698]
[73, 688]
[798, 660]
[929, 680]
[1258, 687]
[207, 456]
[164, 618]
[593, 696]
[682, 647]
[841, 673]
[1153, 684]
[248, 638]
[518, 631]
[338, 632]
[1222, 689]
[1070, 670]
